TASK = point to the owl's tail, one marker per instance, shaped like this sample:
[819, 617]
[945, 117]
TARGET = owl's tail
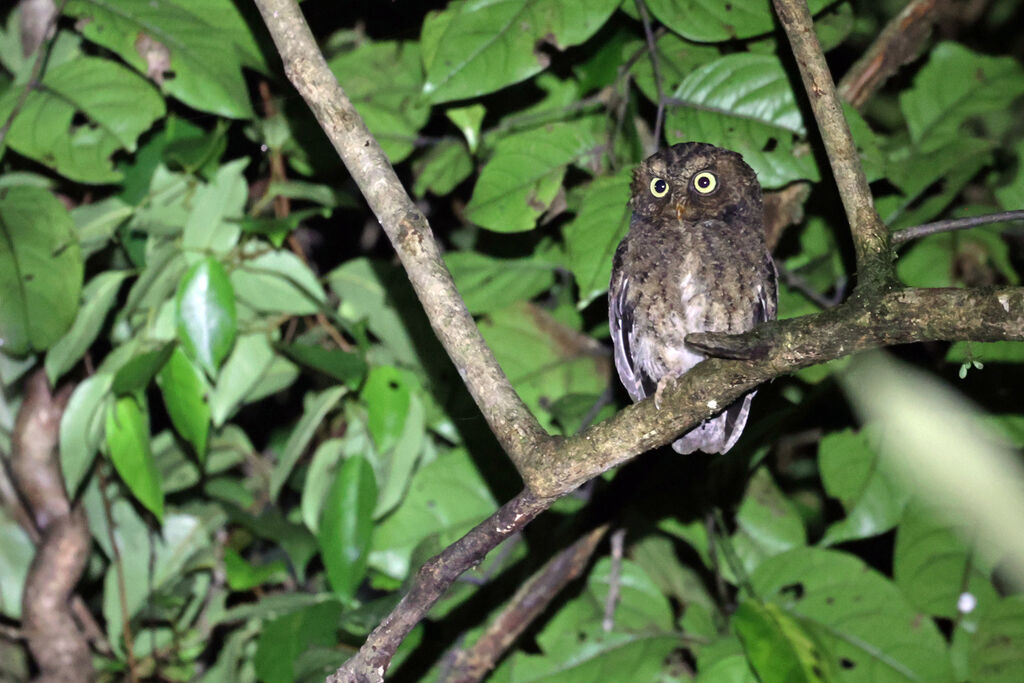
[717, 434]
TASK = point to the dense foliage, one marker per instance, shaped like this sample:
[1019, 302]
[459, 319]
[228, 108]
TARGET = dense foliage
[264, 422]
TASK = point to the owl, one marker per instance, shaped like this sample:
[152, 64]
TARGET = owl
[694, 260]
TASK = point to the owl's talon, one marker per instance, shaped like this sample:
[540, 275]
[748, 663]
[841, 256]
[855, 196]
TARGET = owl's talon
[662, 385]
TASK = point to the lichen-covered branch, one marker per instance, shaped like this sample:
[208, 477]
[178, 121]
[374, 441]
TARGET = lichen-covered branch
[406, 227]
[870, 235]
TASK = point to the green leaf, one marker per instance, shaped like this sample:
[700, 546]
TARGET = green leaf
[446, 498]
[934, 568]
[81, 428]
[591, 238]
[205, 313]
[525, 173]
[17, 555]
[442, 168]
[346, 526]
[317, 407]
[40, 270]
[543, 359]
[852, 472]
[861, 619]
[744, 102]
[206, 41]
[283, 639]
[118, 105]
[243, 576]
[471, 49]
[252, 371]
[321, 473]
[713, 21]
[216, 209]
[185, 390]
[386, 395]
[348, 367]
[954, 87]
[277, 282]
[487, 283]
[135, 375]
[641, 604]
[676, 59]
[468, 119]
[767, 522]
[779, 648]
[384, 80]
[97, 299]
[128, 441]
[996, 653]
[612, 657]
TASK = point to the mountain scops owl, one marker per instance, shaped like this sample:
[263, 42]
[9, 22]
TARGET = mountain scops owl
[694, 260]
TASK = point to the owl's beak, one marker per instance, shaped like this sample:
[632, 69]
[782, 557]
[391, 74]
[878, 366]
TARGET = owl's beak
[680, 210]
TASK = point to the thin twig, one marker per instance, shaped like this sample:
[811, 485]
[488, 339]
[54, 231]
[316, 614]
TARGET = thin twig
[614, 577]
[870, 236]
[913, 233]
[42, 53]
[532, 598]
[652, 48]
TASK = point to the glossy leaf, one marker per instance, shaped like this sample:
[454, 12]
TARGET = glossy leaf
[136, 374]
[128, 443]
[711, 21]
[205, 313]
[744, 102]
[40, 270]
[346, 525]
[470, 49]
[185, 391]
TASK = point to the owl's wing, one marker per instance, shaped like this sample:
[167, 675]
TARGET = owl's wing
[638, 383]
[766, 302]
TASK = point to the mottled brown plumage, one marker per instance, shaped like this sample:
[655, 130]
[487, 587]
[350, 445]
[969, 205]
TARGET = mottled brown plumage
[694, 260]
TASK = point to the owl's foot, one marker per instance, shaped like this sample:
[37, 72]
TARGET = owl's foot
[662, 385]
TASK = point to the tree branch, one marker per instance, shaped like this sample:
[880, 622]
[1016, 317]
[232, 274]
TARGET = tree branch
[870, 236]
[406, 227]
[907, 234]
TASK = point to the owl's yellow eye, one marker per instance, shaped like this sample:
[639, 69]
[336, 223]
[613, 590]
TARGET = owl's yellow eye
[705, 182]
[659, 188]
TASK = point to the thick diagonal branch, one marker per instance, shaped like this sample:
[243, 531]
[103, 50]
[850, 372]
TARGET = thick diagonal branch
[406, 227]
[870, 235]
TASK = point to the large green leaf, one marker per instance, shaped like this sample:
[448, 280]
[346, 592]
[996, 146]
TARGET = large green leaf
[207, 42]
[767, 522]
[128, 441]
[713, 21]
[744, 102]
[283, 639]
[473, 48]
[955, 86]
[118, 105]
[525, 173]
[40, 270]
[205, 313]
[487, 283]
[277, 282]
[866, 625]
[591, 238]
[346, 525]
[384, 80]
[779, 648]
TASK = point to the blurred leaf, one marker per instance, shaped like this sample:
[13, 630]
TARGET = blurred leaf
[591, 238]
[939, 445]
[955, 86]
[641, 605]
[97, 299]
[468, 119]
[205, 313]
[710, 21]
[40, 270]
[473, 49]
[81, 428]
[744, 102]
[17, 555]
[277, 281]
[778, 647]
[283, 639]
[251, 372]
[864, 624]
[996, 652]
[118, 106]
[128, 441]
[215, 209]
[384, 80]
[525, 173]
[243, 576]
[316, 409]
[207, 42]
[185, 395]
[321, 474]
[487, 283]
[767, 522]
[988, 352]
[346, 526]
